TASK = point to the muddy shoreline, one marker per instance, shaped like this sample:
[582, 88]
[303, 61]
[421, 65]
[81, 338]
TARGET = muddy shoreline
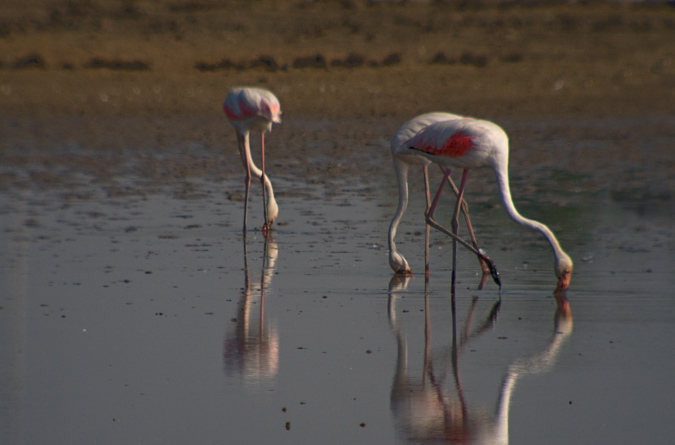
[95, 75]
[147, 59]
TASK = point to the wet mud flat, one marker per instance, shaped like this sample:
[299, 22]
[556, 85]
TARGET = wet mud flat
[137, 87]
[146, 316]
[135, 311]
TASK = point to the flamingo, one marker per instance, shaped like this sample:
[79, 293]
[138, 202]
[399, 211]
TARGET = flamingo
[468, 143]
[403, 159]
[254, 109]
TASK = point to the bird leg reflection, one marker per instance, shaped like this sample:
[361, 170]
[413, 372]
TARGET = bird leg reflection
[251, 350]
[425, 411]
[429, 409]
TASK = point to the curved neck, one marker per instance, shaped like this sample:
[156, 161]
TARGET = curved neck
[501, 173]
[247, 159]
[402, 179]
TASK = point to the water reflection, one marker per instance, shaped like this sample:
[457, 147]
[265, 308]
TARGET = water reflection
[14, 273]
[432, 407]
[251, 349]
[542, 362]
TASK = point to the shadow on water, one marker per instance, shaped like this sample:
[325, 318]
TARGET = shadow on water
[432, 407]
[251, 349]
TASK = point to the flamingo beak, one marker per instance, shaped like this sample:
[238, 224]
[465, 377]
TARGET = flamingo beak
[564, 281]
[404, 271]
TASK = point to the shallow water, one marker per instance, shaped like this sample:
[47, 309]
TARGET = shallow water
[150, 319]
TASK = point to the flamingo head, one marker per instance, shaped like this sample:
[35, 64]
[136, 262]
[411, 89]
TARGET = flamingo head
[272, 210]
[563, 270]
[399, 264]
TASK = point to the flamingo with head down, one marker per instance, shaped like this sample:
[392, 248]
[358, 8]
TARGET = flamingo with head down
[469, 144]
[254, 109]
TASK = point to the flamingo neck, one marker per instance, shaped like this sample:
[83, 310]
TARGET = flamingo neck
[501, 173]
[257, 172]
[401, 169]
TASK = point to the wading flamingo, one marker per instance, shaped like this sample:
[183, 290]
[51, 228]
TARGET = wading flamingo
[254, 109]
[403, 159]
[472, 143]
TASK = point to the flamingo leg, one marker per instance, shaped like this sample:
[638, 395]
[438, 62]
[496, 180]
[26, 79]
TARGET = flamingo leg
[467, 219]
[455, 222]
[430, 220]
[243, 140]
[425, 172]
[460, 201]
[266, 226]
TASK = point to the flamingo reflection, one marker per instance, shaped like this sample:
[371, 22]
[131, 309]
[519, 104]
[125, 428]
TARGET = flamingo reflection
[428, 408]
[252, 348]
[542, 362]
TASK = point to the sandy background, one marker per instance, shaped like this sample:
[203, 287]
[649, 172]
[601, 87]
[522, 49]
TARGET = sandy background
[141, 73]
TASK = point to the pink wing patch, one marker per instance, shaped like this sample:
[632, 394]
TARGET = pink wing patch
[245, 111]
[456, 145]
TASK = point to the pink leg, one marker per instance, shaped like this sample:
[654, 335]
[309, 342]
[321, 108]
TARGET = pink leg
[455, 224]
[266, 226]
[434, 224]
[244, 156]
[432, 209]
[467, 219]
[425, 172]
[460, 199]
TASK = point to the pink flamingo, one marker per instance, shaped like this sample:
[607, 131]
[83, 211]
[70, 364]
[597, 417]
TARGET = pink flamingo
[471, 143]
[403, 159]
[254, 109]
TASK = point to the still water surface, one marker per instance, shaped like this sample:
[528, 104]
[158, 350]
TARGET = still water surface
[152, 320]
